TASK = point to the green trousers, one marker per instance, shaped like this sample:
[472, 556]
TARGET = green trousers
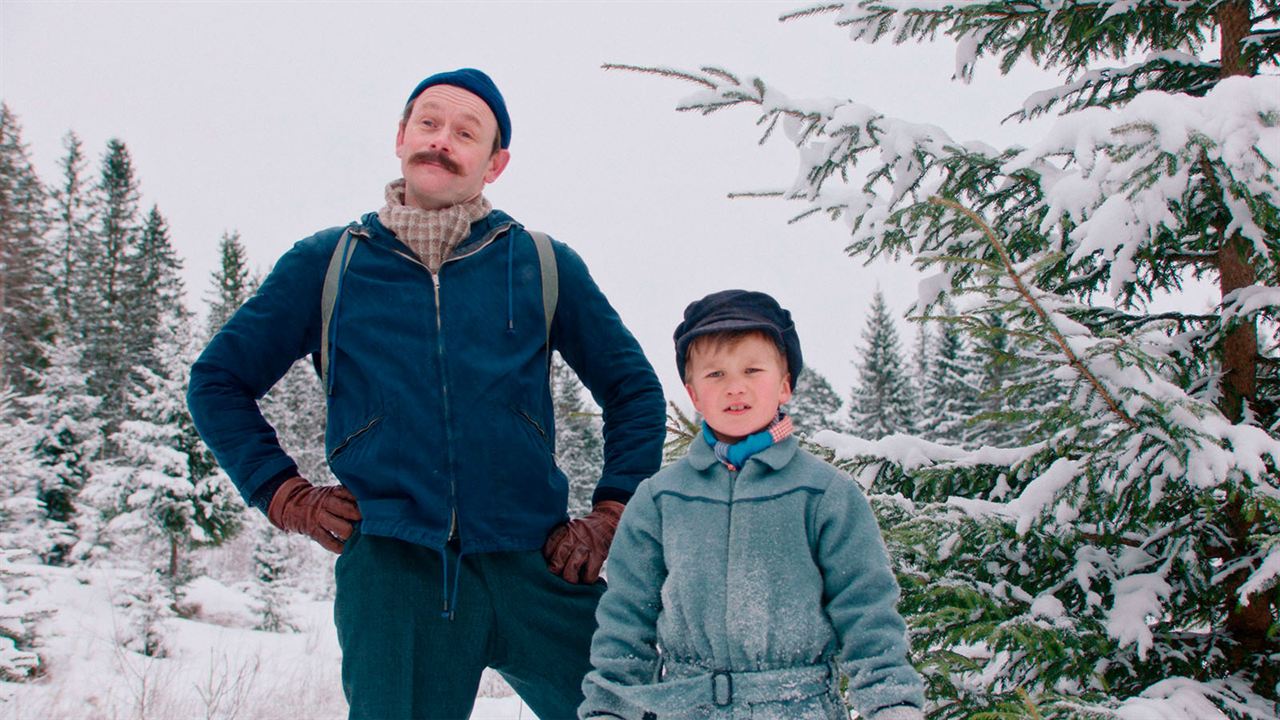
[401, 660]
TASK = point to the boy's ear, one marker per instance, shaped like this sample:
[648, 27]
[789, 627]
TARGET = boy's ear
[784, 396]
[693, 397]
[693, 394]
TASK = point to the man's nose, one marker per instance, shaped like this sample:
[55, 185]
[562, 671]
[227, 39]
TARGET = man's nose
[439, 140]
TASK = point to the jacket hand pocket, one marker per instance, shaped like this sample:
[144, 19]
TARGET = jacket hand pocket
[534, 425]
[352, 438]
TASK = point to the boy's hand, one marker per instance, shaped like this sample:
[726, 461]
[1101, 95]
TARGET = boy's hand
[576, 550]
[323, 513]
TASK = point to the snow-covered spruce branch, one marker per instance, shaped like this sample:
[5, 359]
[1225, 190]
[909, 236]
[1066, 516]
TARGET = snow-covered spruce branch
[1066, 34]
[1025, 292]
[1110, 86]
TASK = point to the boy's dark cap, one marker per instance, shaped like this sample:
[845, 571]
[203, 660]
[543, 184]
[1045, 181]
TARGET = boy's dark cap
[733, 310]
[477, 83]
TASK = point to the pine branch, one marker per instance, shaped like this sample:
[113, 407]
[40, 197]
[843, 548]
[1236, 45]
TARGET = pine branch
[1061, 342]
[810, 11]
[662, 72]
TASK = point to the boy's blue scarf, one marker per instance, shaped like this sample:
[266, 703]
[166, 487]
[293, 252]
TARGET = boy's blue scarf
[733, 455]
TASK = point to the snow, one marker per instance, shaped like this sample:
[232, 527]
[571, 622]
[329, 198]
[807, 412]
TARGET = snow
[1116, 215]
[1040, 492]
[1266, 574]
[1249, 300]
[217, 604]
[217, 666]
[1138, 599]
[1049, 607]
[1181, 698]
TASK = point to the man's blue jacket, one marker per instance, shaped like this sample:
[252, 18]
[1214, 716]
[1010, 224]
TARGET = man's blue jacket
[439, 410]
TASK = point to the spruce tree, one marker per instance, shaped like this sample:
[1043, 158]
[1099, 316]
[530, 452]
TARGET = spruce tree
[579, 445]
[883, 401]
[144, 605]
[163, 491]
[295, 407]
[231, 281]
[157, 298]
[815, 405]
[112, 280]
[272, 588]
[71, 221]
[953, 389]
[20, 478]
[23, 605]
[67, 438]
[24, 315]
[922, 360]
[1124, 559]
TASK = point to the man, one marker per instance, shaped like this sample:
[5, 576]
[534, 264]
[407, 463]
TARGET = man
[450, 519]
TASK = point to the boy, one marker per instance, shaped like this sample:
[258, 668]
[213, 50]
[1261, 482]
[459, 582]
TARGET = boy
[745, 579]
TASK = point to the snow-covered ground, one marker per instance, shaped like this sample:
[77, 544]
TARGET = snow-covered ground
[217, 667]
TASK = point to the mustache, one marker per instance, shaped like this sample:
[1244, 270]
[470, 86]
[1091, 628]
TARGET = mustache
[435, 157]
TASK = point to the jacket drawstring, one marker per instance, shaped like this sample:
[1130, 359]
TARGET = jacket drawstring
[511, 323]
[444, 580]
[450, 596]
[457, 574]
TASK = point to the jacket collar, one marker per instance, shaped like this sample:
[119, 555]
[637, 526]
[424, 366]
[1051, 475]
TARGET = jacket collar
[776, 456]
[479, 229]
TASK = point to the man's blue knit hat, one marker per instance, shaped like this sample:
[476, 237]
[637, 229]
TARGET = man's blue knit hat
[474, 81]
[734, 310]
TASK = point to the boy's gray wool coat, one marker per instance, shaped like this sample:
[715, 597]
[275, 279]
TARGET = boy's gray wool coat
[737, 594]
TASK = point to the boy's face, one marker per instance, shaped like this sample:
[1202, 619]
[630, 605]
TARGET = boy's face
[737, 386]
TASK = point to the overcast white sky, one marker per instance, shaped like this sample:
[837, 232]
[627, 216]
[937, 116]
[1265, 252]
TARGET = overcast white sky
[278, 119]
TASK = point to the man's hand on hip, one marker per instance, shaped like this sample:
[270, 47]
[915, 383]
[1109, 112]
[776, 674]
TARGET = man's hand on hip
[576, 550]
[323, 513]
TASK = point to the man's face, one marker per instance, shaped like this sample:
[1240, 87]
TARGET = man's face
[737, 386]
[446, 148]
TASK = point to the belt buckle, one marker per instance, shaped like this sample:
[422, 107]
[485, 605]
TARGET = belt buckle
[721, 680]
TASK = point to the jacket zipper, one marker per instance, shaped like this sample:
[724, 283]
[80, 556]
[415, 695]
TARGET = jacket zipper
[448, 416]
[728, 548]
[440, 354]
[444, 381]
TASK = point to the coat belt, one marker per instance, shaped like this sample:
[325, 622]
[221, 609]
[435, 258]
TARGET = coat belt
[686, 686]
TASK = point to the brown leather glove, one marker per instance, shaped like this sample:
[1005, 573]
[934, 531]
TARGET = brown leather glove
[323, 513]
[576, 550]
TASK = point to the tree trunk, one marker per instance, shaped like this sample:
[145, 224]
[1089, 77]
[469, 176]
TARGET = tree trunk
[1248, 619]
[1233, 26]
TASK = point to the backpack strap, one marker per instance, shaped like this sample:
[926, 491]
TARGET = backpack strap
[550, 280]
[338, 262]
[346, 247]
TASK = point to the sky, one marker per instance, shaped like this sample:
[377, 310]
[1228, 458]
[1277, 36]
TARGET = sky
[278, 119]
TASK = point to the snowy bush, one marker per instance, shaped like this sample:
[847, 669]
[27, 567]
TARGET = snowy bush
[21, 609]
